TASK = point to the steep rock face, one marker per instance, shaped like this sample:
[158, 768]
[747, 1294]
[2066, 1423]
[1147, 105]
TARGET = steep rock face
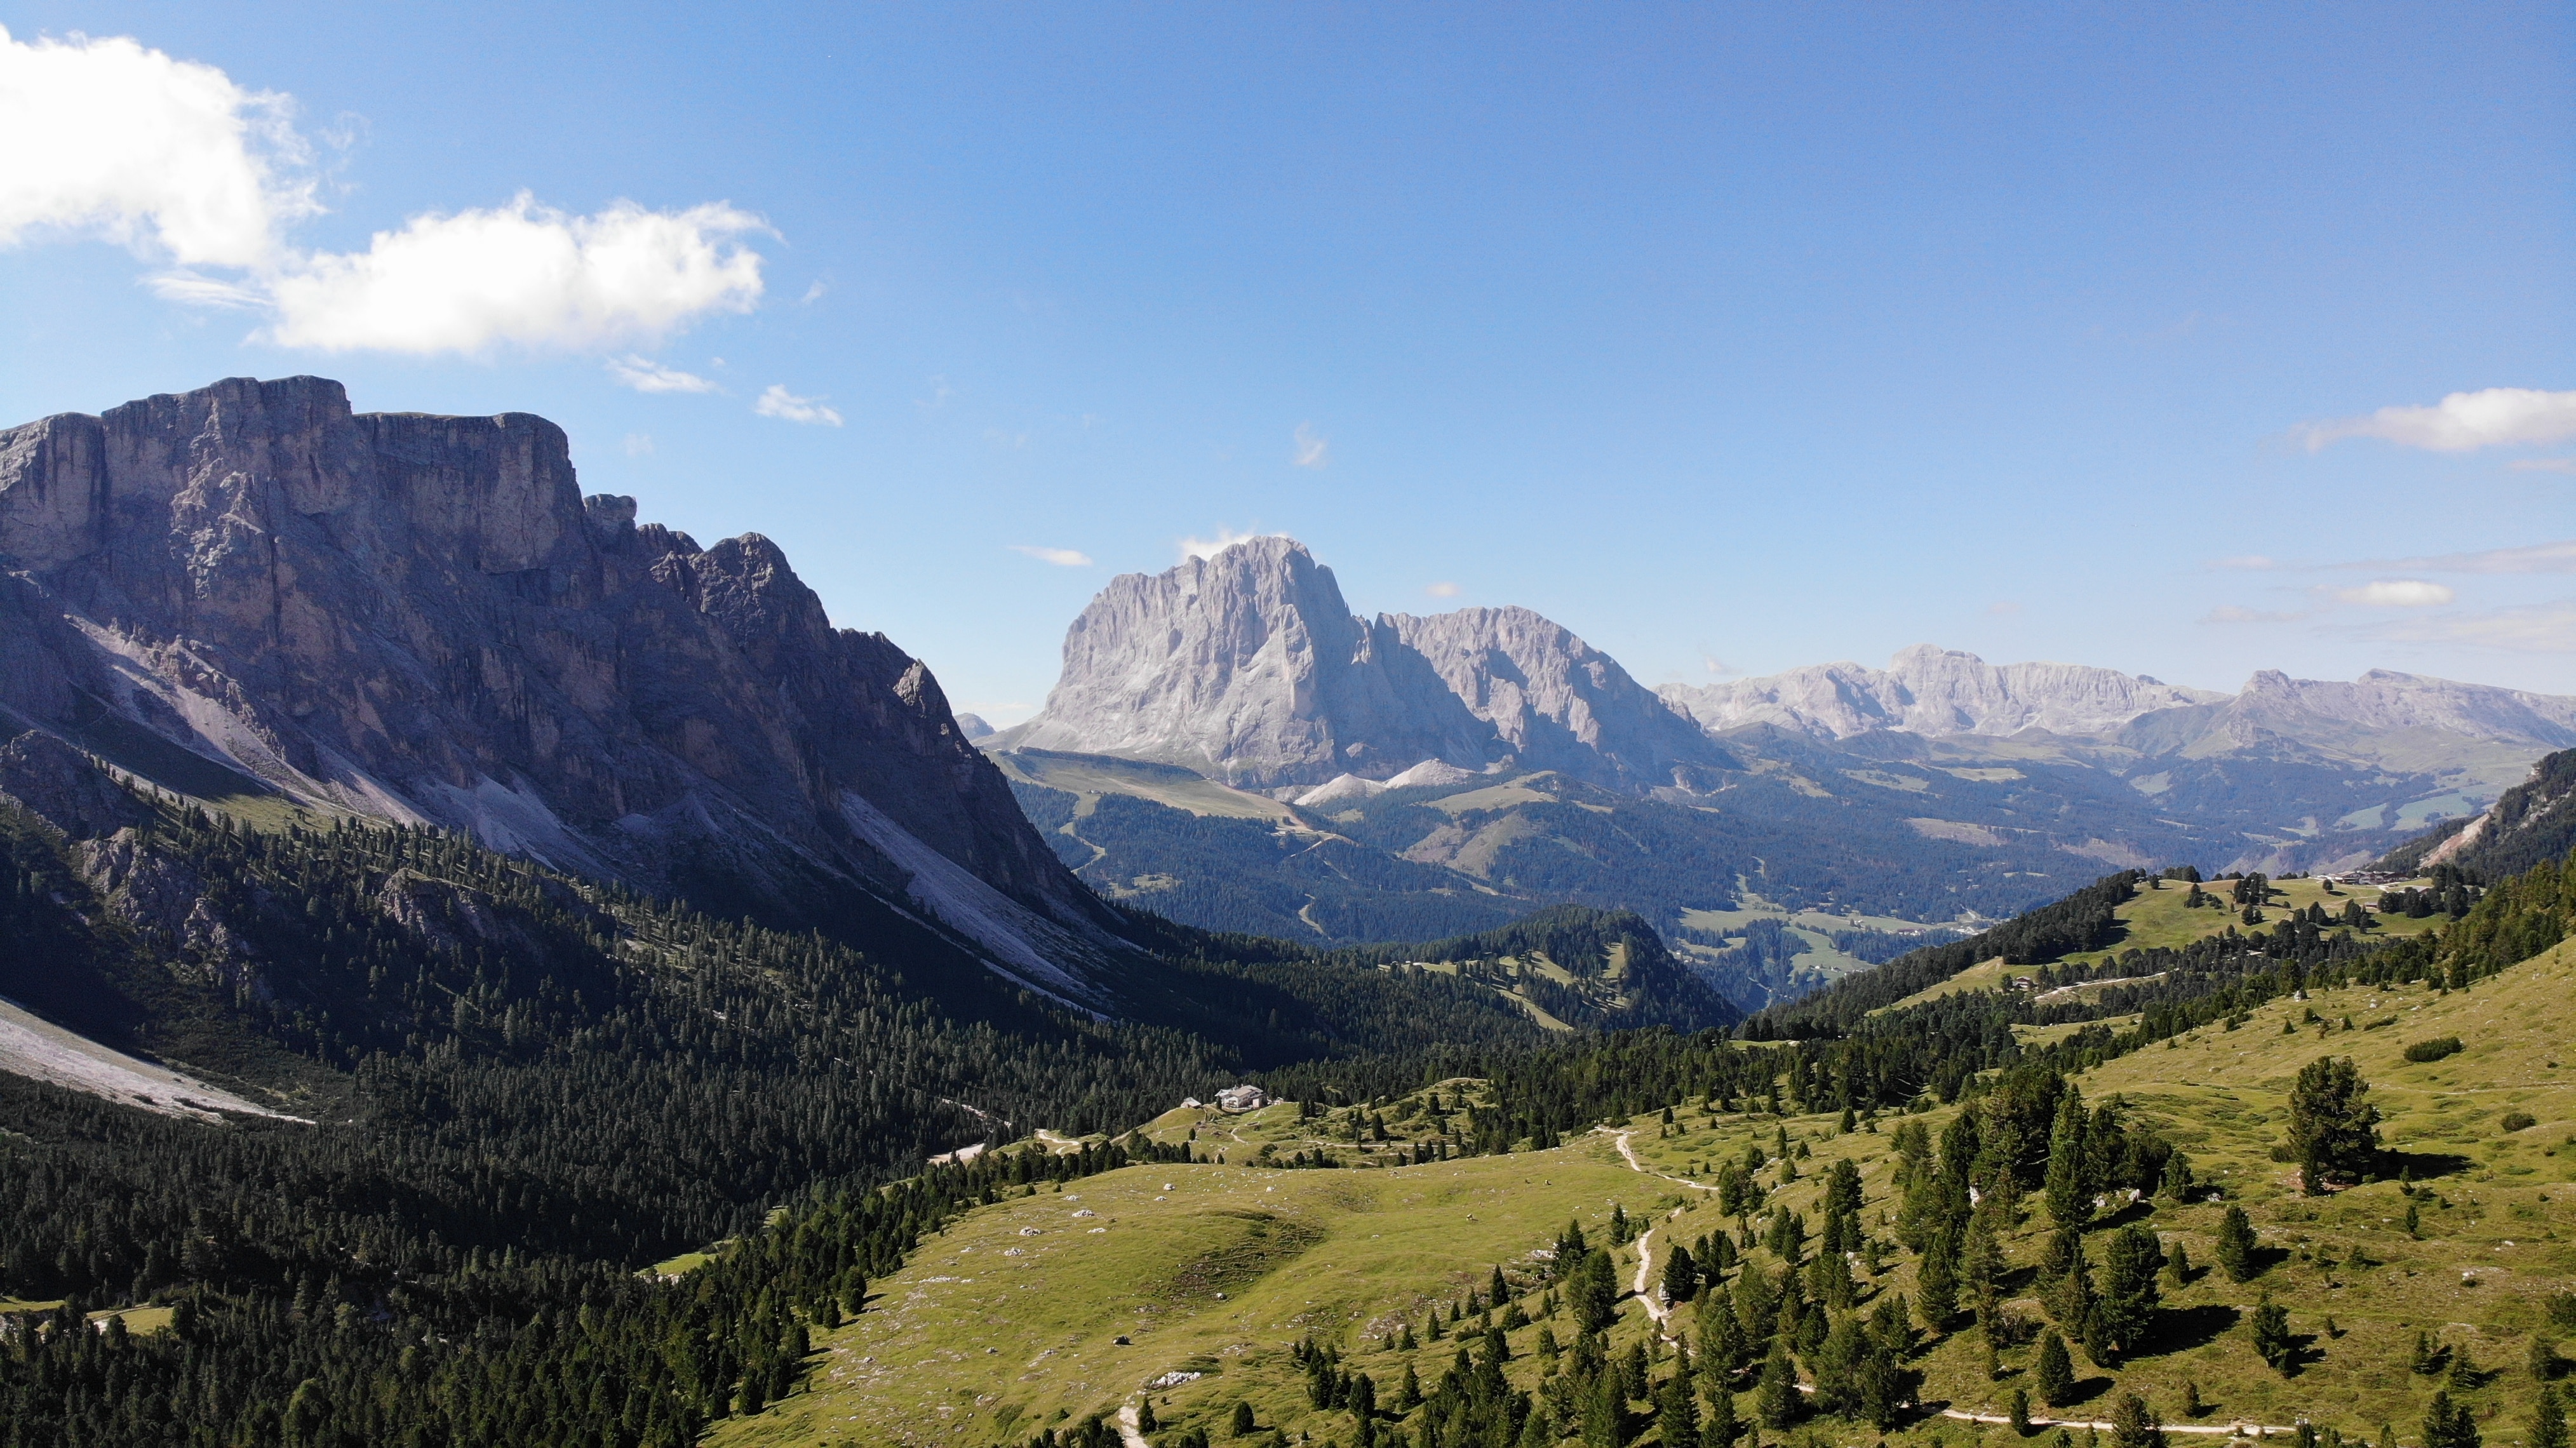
[420, 618]
[1554, 701]
[1935, 691]
[1248, 666]
[2274, 705]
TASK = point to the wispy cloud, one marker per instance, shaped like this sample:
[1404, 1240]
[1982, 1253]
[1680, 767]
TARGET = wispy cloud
[814, 293]
[786, 406]
[1210, 547]
[1313, 449]
[2250, 562]
[2537, 628]
[2530, 558]
[1060, 557]
[1443, 589]
[2003, 608]
[639, 444]
[2543, 465]
[646, 375]
[2231, 613]
[2396, 593]
[2461, 422]
[175, 161]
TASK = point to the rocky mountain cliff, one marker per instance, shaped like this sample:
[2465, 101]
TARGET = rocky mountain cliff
[1248, 666]
[250, 592]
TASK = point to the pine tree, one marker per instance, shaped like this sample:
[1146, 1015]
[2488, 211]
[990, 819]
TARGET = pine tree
[1243, 1422]
[2053, 1373]
[2548, 1421]
[1594, 1292]
[2070, 1201]
[2134, 1425]
[2270, 1331]
[2129, 1267]
[1677, 1413]
[2334, 1130]
[2021, 1411]
[2448, 1424]
[1936, 1283]
[1775, 1397]
[1723, 1426]
[2237, 1245]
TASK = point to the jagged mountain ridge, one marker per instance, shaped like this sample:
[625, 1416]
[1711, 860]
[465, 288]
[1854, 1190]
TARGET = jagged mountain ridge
[252, 590]
[1957, 785]
[1248, 666]
[1929, 690]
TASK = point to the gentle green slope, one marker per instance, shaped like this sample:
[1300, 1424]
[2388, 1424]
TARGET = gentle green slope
[970, 1344]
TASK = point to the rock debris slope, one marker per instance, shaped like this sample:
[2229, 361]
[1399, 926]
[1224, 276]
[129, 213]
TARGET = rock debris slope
[250, 589]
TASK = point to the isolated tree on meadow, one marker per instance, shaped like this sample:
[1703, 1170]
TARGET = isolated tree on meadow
[2237, 1245]
[2334, 1130]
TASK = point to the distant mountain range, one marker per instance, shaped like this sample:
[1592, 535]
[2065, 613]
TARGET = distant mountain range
[1490, 743]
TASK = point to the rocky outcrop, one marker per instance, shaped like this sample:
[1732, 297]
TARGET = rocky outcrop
[251, 588]
[1248, 666]
[1928, 690]
[1556, 702]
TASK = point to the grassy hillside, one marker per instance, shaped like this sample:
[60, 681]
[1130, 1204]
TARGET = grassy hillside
[2157, 916]
[1214, 1273]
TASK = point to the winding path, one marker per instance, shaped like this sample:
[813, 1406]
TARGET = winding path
[1663, 1314]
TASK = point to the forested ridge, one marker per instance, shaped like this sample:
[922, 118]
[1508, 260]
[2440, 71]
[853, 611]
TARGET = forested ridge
[525, 1088]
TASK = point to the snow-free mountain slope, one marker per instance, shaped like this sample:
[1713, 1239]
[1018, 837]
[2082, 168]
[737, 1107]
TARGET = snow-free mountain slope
[1248, 666]
[1929, 690]
[252, 591]
[1556, 702]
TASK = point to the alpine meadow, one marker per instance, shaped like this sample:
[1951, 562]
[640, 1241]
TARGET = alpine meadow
[1260, 825]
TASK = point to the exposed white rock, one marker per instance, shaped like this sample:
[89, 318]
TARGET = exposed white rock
[1928, 690]
[1555, 701]
[1248, 665]
[1345, 786]
[1431, 773]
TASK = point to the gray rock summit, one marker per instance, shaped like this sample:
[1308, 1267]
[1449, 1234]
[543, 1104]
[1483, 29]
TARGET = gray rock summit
[1248, 666]
[251, 590]
[1929, 690]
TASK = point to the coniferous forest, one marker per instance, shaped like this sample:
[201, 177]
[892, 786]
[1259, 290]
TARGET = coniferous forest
[514, 1092]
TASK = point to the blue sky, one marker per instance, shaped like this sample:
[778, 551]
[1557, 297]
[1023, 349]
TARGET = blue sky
[1734, 339]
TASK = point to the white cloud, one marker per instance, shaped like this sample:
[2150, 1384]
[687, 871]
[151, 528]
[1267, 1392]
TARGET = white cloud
[2005, 608]
[173, 159]
[1442, 589]
[2538, 628]
[646, 375]
[814, 293]
[2251, 562]
[780, 403]
[1313, 451]
[2397, 593]
[108, 139]
[2543, 465]
[1060, 557]
[1210, 547]
[2461, 422]
[521, 275]
[639, 444]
